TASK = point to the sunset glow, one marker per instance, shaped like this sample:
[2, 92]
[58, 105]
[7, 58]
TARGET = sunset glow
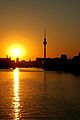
[16, 51]
[23, 21]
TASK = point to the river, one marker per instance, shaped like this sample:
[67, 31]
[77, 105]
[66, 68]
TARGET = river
[34, 94]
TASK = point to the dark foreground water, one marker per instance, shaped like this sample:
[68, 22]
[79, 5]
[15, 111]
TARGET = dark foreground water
[38, 95]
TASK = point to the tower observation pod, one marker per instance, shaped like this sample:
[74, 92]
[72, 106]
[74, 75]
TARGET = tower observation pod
[45, 44]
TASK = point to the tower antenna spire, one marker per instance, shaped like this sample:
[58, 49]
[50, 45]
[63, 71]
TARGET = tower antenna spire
[45, 32]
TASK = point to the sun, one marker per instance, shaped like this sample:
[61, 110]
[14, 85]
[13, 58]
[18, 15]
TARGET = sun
[16, 52]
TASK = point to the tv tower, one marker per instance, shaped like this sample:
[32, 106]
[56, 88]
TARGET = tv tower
[45, 43]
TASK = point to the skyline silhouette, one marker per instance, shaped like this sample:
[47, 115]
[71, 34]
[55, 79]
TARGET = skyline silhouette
[59, 64]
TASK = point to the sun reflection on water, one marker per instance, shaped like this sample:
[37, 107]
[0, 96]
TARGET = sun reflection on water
[16, 98]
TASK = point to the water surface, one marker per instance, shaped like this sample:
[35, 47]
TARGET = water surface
[32, 94]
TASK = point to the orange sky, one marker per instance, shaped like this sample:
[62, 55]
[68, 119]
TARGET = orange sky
[22, 24]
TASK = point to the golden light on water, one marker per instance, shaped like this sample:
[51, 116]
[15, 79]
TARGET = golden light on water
[16, 98]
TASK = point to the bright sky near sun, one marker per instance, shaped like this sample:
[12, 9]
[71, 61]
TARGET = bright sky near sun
[16, 52]
[22, 24]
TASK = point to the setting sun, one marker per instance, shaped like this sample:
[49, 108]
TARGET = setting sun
[16, 51]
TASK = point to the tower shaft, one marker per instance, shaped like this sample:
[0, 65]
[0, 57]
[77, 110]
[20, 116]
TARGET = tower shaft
[44, 50]
[45, 45]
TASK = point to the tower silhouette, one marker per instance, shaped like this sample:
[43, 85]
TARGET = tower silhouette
[44, 43]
